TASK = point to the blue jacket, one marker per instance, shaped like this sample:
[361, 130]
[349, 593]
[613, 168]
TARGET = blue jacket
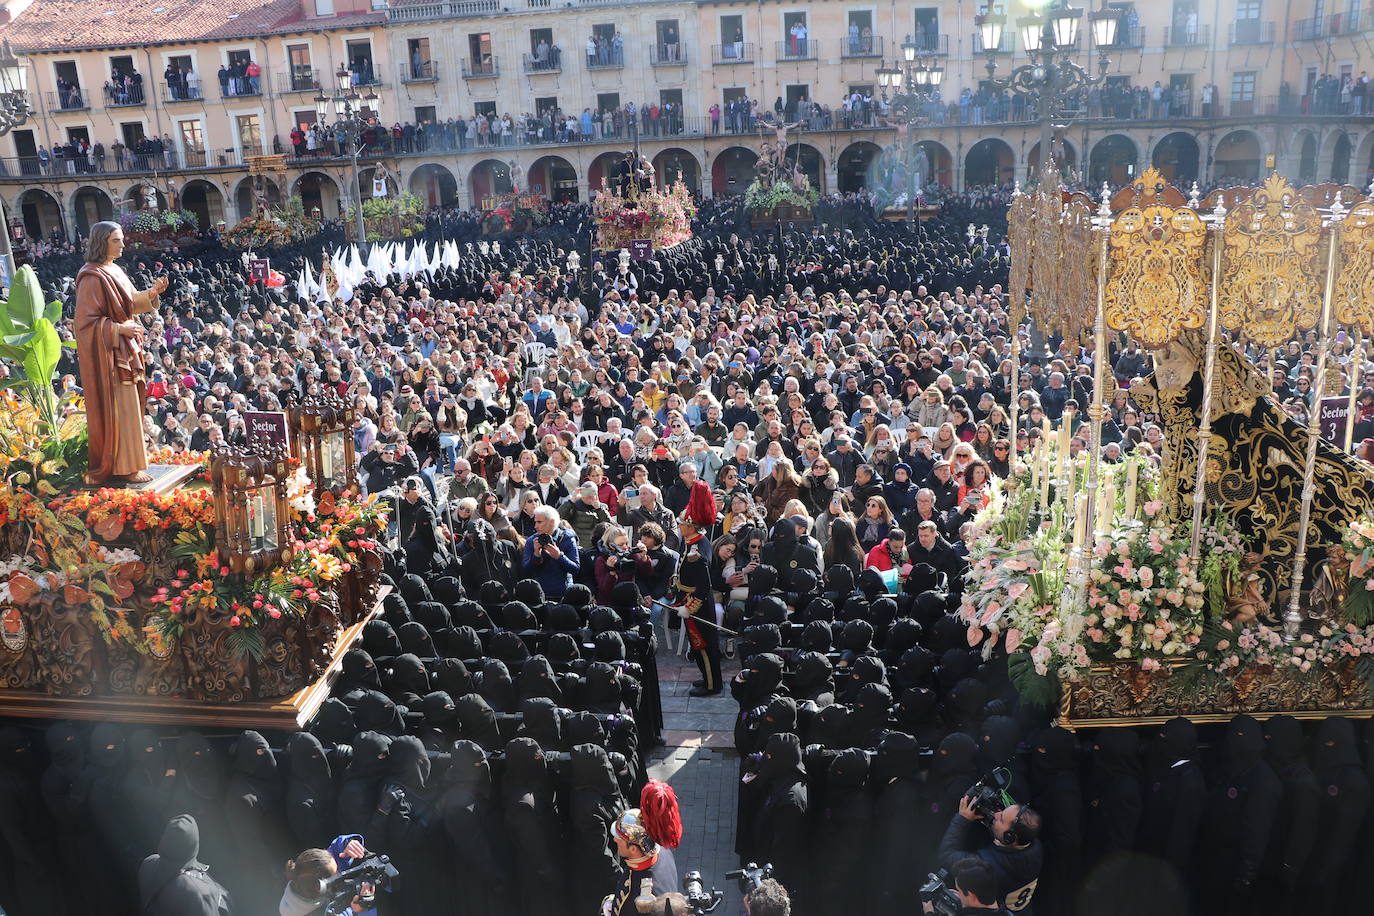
[554, 576]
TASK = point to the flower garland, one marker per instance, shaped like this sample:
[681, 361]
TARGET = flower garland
[1357, 540]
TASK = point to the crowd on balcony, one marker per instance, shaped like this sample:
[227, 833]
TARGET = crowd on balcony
[546, 56]
[124, 88]
[68, 93]
[80, 156]
[1338, 95]
[182, 83]
[241, 77]
[605, 52]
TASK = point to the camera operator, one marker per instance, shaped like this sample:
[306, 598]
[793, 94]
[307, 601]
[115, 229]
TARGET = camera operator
[1015, 854]
[308, 878]
[976, 884]
[645, 838]
[768, 899]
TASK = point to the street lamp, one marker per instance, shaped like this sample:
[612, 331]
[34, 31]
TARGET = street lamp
[348, 107]
[915, 81]
[1050, 38]
[14, 111]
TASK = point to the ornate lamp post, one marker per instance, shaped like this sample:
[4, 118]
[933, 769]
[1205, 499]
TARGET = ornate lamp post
[348, 115]
[1050, 37]
[915, 81]
[14, 111]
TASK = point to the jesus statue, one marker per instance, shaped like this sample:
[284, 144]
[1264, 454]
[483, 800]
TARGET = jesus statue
[109, 348]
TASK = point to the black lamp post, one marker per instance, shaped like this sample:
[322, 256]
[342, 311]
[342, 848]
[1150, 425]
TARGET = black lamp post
[348, 115]
[1050, 38]
[915, 81]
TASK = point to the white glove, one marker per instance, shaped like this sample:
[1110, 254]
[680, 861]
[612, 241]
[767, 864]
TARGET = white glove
[684, 611]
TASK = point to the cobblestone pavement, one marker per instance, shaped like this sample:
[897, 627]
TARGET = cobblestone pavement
[700, 763]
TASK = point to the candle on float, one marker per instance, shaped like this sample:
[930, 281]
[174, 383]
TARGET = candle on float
[1063, 446]
[1106, 505]
[1080, 519]
[1132, 481]
[1035, 474]
[1044, 459]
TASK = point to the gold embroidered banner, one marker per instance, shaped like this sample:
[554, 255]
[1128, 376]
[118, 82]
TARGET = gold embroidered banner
[1076, 308]
[1046, 255]
[1021, 238]
[1270, 278]
[1354, 294]
[1156, 274]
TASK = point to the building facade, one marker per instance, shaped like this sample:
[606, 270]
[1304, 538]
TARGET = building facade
[1205, 91]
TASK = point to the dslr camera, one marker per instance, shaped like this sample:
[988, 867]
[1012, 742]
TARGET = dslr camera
[544, 540]
[937, 892]
[699, 899]
[989, 795]
[751, 876]
[341, 890]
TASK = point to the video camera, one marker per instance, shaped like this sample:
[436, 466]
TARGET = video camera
[937, 892]
[341, 890]
[751, 876]
[989, 795]
[699, 899]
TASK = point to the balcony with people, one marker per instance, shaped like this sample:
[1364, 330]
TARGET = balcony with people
[239, 78]
[419, 71]
[124, 90]
[68, 97]
[605, 50]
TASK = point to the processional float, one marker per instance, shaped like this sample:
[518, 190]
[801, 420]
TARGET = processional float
[1129, 594]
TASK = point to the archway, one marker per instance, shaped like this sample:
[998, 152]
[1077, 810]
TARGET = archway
[90, 206]
[1113, 160]
[1067, 164]
[205, 201]
[318, 191]
[1237, 156]
[989, 161]
[732, 171]
[1177, 156]
[1307, 160]
[606, 170]
[41, 213]
[245, 199]
[1340, 160]
[939, 164]
[811, 162]
[674, 165]
[435, 185]
[136, 196]
[488, 178]
[852, 170]
[555, 178]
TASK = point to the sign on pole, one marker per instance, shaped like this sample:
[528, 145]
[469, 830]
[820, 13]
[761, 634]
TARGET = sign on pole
[641, 249]
[258, 269]
[1335, 413]
[265, 427]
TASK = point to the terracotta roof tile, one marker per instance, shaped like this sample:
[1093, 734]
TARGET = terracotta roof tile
[49, 25]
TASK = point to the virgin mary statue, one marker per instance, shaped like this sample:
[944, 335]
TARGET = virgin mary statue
[109, 347]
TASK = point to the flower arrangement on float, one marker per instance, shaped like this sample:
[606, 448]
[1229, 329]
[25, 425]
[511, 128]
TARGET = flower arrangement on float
[1357, 541]
[663, 217]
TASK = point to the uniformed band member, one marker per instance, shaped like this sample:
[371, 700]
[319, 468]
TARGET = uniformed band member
[645, 837]
[696, 604]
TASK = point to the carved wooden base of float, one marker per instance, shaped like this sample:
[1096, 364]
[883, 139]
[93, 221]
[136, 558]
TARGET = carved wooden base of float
[165, 478]
[283, 714]
[1124, 695]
